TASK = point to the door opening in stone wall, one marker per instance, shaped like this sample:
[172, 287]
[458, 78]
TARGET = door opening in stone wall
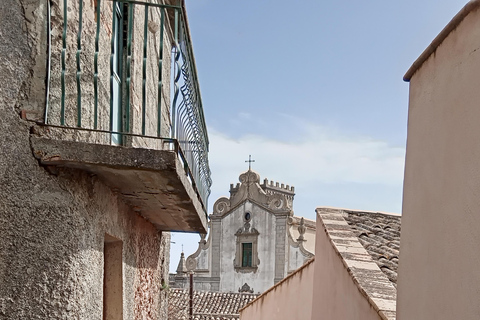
[112, 278]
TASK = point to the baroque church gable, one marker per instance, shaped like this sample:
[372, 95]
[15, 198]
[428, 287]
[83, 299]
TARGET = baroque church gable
[274, 198]
[250, 241]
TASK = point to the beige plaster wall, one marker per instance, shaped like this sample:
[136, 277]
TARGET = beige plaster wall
[335, 295]
[289, 299]
[438, 270]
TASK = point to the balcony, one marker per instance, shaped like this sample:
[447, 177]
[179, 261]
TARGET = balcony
[123, 103]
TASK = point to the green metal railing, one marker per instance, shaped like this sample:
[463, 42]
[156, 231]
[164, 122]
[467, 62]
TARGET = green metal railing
[136, 30]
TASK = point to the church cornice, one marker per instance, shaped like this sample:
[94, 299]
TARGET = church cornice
[221, 214]
[272, 198]
[295, 222]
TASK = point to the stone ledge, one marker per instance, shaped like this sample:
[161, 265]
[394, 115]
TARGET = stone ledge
[152, 182]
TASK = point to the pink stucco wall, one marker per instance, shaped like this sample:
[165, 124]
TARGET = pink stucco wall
[289, 299]
[335, 295]
[438, 271]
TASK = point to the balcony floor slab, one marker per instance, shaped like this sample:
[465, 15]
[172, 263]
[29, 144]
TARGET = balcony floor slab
[152, 182]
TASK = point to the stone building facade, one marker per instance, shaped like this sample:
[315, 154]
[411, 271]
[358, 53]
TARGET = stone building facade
[93, 173]
[254, 242]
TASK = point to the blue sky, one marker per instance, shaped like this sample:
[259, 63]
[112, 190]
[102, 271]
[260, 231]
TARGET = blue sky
[313, 90]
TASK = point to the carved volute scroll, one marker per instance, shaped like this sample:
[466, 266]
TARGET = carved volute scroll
[274, 197]
[278, 202]
[221, 206]
[249, 177]
[248, 188]
[290, 220]
[191, 263]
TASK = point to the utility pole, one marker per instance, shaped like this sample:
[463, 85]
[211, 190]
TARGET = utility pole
[191, 296]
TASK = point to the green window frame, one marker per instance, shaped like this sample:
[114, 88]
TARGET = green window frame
[247, 254]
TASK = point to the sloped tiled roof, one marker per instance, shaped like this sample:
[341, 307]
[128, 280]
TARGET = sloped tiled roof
[368, 244]
[380, 234]
[207, 305]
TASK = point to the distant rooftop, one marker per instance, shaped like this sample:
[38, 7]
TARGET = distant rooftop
[380, 235]
[207, 305]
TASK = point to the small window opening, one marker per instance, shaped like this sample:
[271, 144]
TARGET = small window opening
[246, 254]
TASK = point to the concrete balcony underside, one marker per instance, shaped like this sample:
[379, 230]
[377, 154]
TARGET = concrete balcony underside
[152, 182]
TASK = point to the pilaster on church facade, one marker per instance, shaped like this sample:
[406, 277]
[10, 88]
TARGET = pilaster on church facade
[254, 239]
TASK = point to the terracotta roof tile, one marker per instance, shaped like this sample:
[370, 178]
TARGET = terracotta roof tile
[380, 235]
[207, 305]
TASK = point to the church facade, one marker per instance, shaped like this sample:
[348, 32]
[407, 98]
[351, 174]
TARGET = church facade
[254, 241]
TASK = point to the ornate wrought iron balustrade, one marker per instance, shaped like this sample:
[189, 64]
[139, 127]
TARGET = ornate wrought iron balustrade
[126, 69]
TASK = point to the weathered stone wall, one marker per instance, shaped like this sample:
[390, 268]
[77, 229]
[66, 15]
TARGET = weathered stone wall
[87, 68]
[153, 54]
[53, 223]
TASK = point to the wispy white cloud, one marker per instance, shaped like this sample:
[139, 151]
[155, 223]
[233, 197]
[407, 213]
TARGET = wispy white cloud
[313, 155]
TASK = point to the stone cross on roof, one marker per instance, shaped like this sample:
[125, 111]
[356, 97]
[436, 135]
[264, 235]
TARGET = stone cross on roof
[249, 162]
